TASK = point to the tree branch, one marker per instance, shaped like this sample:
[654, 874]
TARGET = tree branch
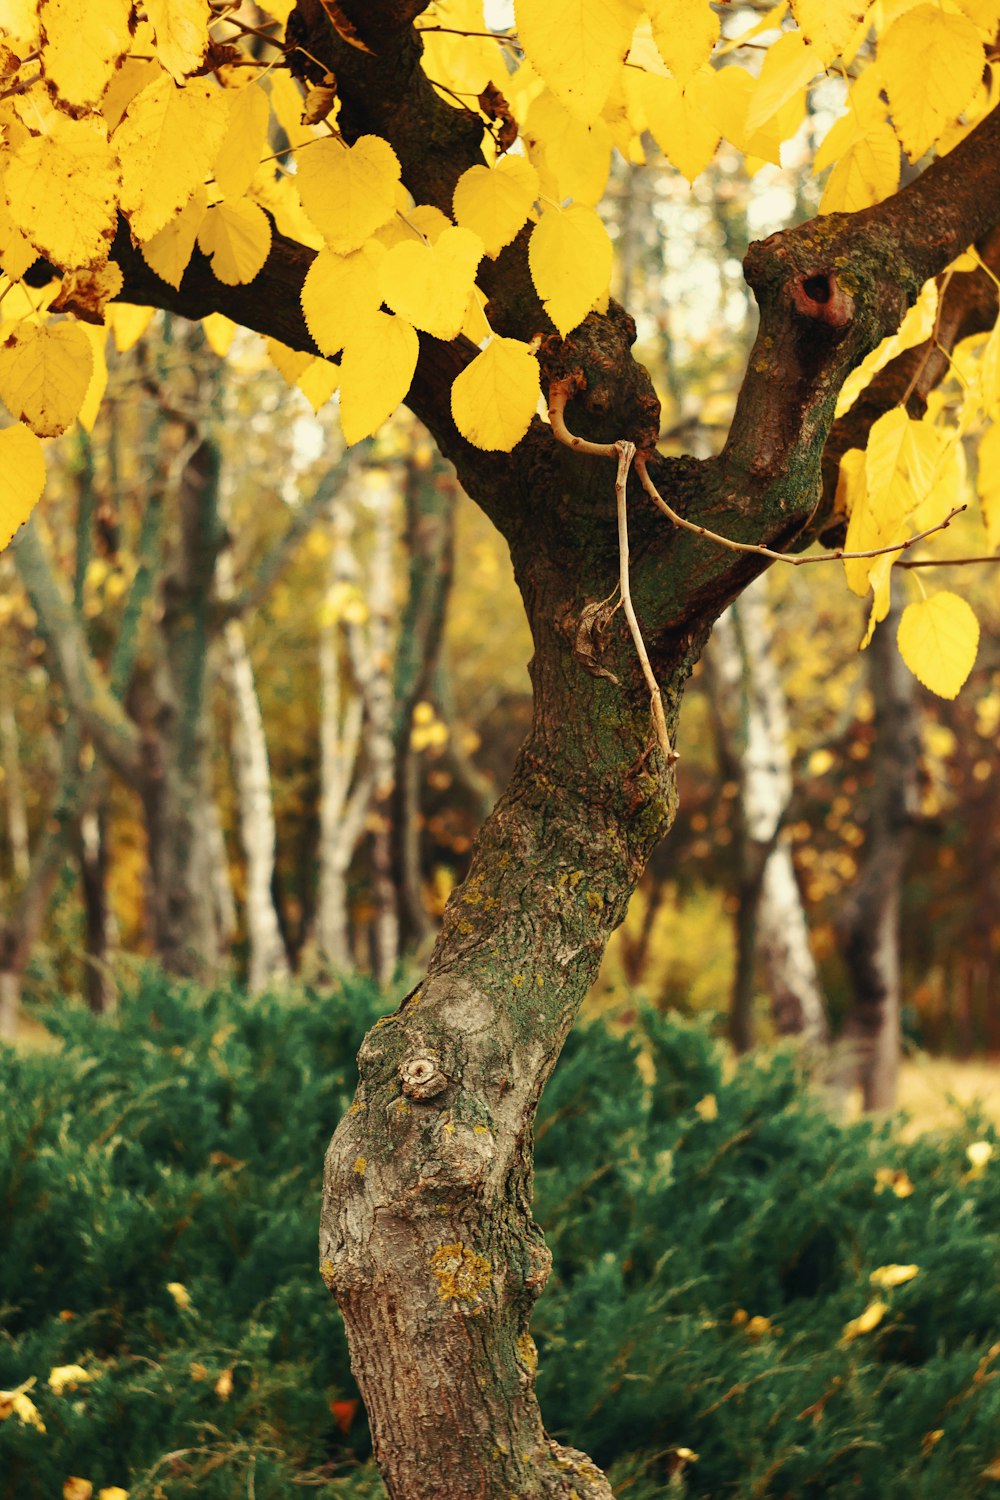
[100, 714]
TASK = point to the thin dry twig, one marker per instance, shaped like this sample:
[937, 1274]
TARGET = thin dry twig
[839, 554]
[626, 452]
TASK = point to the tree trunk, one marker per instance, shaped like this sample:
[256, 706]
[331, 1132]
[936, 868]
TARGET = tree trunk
[427, 1234]
[869, 927]
[748, 706]
[170, 706]
[345, 789]
[377, 689]
[255, 809]
[92, 857]
[429, 495]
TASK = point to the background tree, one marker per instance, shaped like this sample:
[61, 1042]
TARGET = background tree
[427, 1236]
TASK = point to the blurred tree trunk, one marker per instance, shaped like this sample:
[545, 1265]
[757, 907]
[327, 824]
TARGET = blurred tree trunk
[377, 689]
[748, 706]
[169, 706]
[345, 785]
[13, 785]
[429, 537]
[869, 924]
[254, 804]
[92, 858]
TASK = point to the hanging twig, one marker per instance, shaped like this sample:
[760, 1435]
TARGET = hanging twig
[626, 452]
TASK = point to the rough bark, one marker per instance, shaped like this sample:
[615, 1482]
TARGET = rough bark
[427, 1238]
[869, 926]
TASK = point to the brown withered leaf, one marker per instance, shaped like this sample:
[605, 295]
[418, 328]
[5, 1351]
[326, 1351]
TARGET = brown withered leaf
[319, 101]
[344, 26]
[594, 617]
[495, 107]
[87, 292]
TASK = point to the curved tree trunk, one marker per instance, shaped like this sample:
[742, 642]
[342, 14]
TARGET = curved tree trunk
[427, 1234]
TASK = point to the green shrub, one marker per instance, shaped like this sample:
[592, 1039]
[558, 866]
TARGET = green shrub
[713, 1239]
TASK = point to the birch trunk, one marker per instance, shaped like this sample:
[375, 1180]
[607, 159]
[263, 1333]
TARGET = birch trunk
[752, 724]
[345, 788]
[255, 807]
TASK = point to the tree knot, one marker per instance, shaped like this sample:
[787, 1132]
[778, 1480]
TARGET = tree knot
[820, 296]
[422, 1076]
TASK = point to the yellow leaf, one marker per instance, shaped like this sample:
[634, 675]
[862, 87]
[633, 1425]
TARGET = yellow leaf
[287, 103]
[707, 1108]
[219, 333]
[180, 1294]
[112, 1492]
[867, 172]
[128, 324]
[494, 203]
[866, 1321]
[318, 381]
[244, 142]
[895, 1179]
[685, 34]
[62, 191]
[938, 639]
[181, 31]
[348, 191]
[572, 158]
[44, 374]
[790, 64]
[375, 374]
[130, 79]
[224, 1385]
[96, 386]
[893, 1275]
[733, 94]
[931, 63]
[495, 397]
[829, 25]
[22, 479]
[914, 329]
[903, 463]
[683, 120]
[577, 46]
[17, 252]
[169, 252]
[430, 285]
[988, 484]
[166, 144]
[83, 46]
[71, 1376]
[569, 255]
[238, 238]
[339, 295]
[980, 1154]
[75, 1488]
[88, 291]
[288, 362]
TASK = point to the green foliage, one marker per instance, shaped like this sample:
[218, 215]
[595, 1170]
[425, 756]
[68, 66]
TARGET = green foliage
[182, 1143]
